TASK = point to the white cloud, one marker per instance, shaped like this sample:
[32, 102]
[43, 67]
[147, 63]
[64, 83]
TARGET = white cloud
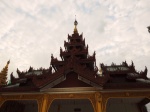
[31, 30]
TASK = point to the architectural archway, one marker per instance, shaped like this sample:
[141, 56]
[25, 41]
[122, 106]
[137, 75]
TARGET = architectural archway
[127, 104]
[71, 105]
[19, 106]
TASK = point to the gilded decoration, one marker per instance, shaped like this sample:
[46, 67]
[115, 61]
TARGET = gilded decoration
[44, 103]
[98, 99]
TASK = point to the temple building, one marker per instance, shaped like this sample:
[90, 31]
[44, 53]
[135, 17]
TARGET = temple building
[76, 84]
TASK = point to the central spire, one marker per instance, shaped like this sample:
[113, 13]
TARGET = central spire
[75, 28]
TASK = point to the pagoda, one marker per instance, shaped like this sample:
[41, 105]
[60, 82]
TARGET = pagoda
[76, 84]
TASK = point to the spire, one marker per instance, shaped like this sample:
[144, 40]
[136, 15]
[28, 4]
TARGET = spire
[3, 74]
[75, 24]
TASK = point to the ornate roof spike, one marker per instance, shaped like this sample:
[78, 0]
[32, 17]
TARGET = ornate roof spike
[18, 71]
[52, 57]
[3, 74]
[124, 63]
[30, 69]
[60, 49]
[8, 62]
[145, 70]
[148, 29]
[12, 78]
[94, 53]
[87, 46]
[75, 28]
[132, 64]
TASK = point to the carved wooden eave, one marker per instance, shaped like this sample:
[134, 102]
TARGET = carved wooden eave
[39, 81]
[124, 68]
[66, 53]
[83, 74]
[72, 90]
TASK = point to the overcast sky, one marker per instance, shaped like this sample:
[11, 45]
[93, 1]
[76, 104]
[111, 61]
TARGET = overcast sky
[31, 30]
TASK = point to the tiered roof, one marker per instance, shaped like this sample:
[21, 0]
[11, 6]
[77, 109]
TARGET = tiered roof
[77, 69]
[124, 76]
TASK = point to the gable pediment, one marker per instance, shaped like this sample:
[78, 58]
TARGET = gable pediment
[71, 79]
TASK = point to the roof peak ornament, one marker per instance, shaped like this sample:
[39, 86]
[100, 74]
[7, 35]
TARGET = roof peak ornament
[75, 24]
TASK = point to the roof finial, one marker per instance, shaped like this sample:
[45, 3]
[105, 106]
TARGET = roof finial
[75, 24]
